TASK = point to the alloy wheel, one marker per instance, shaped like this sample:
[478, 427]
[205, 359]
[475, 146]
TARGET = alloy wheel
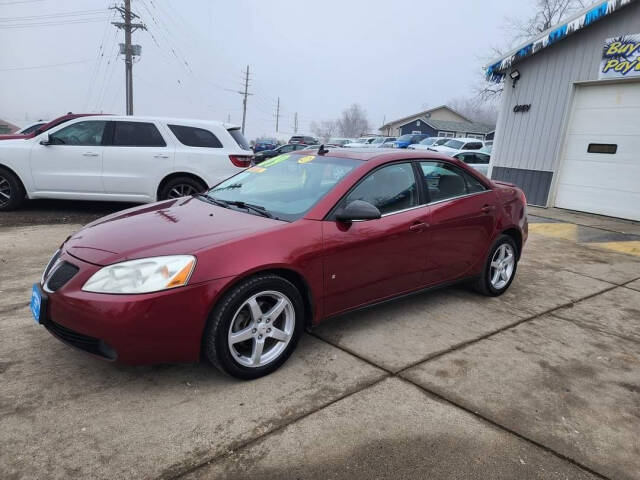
[502, 266]
[182, 190]
[5, 191]
[261, 329]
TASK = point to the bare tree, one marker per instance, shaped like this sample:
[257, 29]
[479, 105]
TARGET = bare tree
[475, 109]
[547, 14]
[325, 129]
[353, 122]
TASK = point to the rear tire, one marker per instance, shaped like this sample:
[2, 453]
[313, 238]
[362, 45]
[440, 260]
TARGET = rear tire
[266, 315]
[499, 269]
[181, 187]
[12, 193]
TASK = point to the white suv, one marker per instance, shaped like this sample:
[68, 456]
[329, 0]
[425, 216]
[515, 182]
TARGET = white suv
[458, 145]
[129, 159]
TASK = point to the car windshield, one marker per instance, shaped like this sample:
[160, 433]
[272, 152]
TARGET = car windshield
[286, 186]
[441, 141]
[31, 128]
[428, 141]
[378, 140]
[406, 138]
[457, 144]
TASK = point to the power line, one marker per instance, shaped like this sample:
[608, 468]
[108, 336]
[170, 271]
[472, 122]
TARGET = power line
[21, 1]
[79, 13]
[45, 66]
[98, 61]
[47, 24]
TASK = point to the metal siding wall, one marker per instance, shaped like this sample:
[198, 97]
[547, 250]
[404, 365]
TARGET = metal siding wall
[531, 141]
[534, 183]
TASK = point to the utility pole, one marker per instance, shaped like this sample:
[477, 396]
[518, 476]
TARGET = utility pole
[278, 115]
[295, 122]
[244, 100]
[127, 49]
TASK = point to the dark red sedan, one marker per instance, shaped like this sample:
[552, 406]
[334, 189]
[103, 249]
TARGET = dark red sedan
[239, 272]
[43, 128]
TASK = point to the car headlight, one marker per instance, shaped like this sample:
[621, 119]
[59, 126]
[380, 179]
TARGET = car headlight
[142, 276]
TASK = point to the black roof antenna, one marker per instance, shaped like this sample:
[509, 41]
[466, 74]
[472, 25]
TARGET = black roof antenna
[322, 150]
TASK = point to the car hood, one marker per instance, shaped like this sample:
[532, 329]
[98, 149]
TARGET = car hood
[174, 227]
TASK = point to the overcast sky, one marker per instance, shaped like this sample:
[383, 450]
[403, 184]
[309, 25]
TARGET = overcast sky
[317, 56]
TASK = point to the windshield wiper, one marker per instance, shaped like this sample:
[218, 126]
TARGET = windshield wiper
[249, 206]
[214, 201]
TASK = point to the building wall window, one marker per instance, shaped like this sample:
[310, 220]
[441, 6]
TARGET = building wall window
[446, 134]
[475, 135]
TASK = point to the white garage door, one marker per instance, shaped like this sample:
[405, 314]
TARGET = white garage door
[600, 172]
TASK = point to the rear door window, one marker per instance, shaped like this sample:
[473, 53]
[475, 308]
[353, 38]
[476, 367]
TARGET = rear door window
[137, 134]
[195, 137]
[444, 181]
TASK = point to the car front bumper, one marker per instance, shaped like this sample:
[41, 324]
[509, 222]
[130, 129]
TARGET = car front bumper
[160, 327]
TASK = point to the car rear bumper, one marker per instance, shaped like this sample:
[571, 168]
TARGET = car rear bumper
[131, 329]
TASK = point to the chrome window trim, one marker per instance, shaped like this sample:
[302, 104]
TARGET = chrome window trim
[432, 203]
[404, 210]
[458, 196]
[50, 264]
[53, 270]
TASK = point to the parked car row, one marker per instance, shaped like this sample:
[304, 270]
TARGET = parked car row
[120, 158]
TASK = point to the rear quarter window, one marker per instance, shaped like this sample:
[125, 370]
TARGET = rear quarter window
[239, 138]
[195, 137]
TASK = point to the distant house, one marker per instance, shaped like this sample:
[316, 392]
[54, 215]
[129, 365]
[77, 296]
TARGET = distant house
[440, 121]
[7, 127]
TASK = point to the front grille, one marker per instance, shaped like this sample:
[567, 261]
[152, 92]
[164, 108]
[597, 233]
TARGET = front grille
[60, 276]
[78, 340]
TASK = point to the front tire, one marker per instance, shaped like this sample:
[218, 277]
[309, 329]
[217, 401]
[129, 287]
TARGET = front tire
[255, 327]
[500, 267]
[12, 193]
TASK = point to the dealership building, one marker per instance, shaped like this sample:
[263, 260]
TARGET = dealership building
[569, 126]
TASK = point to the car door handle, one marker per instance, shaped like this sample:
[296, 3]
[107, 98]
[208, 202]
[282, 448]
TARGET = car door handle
[487, 208]
[160, 155]
[91, 154]
[418, 227]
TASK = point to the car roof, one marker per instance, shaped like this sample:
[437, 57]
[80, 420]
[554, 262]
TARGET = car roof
[466, 139]
[366, 154]
[185, 121]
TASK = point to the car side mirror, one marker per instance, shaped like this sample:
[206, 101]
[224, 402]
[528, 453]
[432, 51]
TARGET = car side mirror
[358, 210]
[46, 141]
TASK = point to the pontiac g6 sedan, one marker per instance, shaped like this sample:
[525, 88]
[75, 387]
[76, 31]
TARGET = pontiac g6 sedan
[238, 273]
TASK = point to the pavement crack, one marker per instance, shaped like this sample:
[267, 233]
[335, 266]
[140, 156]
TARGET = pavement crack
[169, 475]
[581, 324]
[495, 424]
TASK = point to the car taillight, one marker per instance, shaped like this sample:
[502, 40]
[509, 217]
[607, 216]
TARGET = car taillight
[240, 160]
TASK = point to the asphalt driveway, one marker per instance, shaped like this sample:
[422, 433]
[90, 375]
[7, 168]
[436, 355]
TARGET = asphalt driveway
[543, 382]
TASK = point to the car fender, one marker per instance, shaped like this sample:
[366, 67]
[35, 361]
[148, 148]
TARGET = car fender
[16, 159]
[295, 248]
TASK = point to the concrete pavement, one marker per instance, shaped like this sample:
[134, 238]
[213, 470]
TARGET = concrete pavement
[539, 383]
